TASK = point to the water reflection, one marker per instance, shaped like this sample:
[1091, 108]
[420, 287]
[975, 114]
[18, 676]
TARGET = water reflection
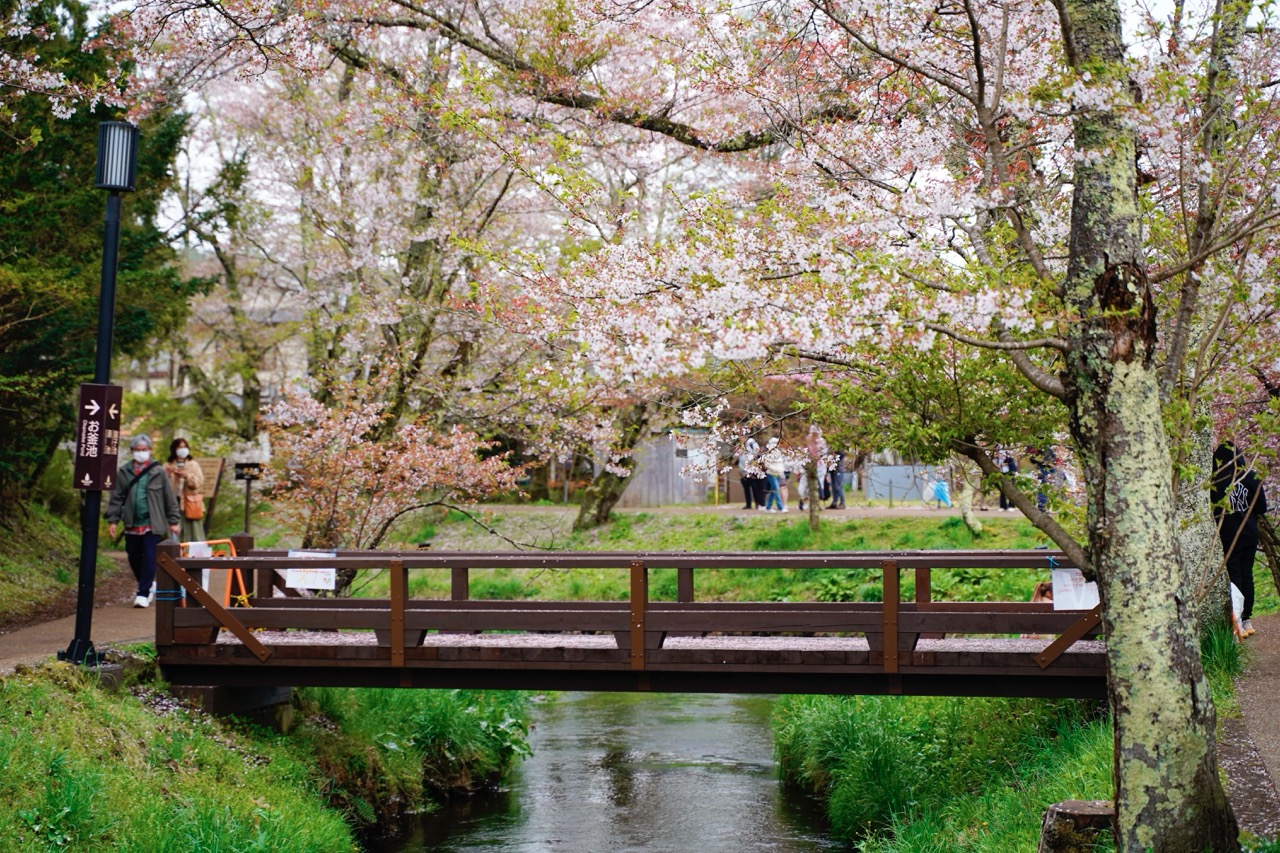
[638, 772]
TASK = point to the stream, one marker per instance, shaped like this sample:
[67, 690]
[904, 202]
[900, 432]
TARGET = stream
[637, 772]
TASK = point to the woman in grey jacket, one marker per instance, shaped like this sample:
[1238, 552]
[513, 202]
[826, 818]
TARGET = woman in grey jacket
[144, 501]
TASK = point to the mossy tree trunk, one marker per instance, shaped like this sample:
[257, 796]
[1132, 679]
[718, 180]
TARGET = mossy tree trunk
[1168, 794]
[1193, 329]
[599, 499]
[1198, 533]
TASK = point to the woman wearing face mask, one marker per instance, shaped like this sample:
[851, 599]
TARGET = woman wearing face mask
[188, 482]
[143, 499]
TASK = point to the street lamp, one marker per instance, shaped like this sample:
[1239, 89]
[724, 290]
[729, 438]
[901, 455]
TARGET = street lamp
[116, 172]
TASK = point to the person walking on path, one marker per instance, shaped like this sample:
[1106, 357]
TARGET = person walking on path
[187, 481]
[143, 500]
[1238, 500]
[837, 481]
[775, 471]
[1010, 467]
[753, 487]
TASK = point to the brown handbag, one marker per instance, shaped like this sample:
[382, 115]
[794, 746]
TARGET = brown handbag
[193, 507]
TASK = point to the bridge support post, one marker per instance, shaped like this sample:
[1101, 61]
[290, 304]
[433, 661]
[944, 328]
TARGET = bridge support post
[268, 706]
[639, 609]
[892, 596]
[1072, 826]
[167, 595]
[399, 592]
[243, 544]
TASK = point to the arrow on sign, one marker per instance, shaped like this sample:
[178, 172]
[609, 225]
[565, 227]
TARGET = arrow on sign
[93, 407]
[106, 482]
[87, 480]
[113, 411]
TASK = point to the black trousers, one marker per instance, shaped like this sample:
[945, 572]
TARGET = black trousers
[141, 548]
[1240, 557]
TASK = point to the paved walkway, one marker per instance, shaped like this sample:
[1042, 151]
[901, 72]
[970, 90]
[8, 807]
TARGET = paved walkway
[115, 622]
[1250, 748]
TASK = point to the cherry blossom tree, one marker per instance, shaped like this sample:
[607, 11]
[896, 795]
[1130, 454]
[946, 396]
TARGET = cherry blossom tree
[1082, 188]
[342, 489]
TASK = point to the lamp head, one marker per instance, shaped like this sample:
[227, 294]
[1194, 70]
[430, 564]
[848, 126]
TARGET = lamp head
[117, 156]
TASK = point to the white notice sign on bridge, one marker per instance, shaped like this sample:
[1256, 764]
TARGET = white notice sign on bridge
[310, 578]
[1072, 592]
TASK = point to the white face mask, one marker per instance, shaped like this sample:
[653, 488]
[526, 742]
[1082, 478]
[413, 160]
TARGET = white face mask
[141, 455]
[183, 453]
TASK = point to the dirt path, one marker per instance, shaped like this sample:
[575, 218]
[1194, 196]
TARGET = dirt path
[1250, 748]
[115, 621]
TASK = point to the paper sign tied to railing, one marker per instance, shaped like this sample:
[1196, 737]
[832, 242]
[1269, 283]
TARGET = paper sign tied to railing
[310, 578]
[1072, 592]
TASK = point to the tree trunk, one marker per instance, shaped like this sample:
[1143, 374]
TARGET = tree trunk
[1169, 798]
[815, 495]
[602, 495]
[1198, 534]
[964, 497]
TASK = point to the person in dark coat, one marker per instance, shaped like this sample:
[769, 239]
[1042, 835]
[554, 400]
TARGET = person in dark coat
[1010, 467]
[1238, 500]
[144, 501]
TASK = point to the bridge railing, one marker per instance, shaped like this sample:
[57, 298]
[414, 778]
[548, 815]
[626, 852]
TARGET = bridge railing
[640, 625]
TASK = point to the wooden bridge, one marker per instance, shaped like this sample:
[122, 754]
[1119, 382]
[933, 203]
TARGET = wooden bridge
[922, 646]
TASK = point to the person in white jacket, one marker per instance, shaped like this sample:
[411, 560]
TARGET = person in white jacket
[775, 472]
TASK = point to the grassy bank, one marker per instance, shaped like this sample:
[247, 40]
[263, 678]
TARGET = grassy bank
[933, 774]
[82, 768]
[39, 560]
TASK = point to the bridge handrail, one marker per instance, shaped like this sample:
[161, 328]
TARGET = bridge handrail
[892, 638]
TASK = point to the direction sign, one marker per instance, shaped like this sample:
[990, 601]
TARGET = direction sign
[248, 470]
[97, 437]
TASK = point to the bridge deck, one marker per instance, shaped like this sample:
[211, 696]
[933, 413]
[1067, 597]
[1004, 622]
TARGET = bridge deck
[684, 646]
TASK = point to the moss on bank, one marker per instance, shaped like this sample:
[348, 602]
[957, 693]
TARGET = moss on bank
[84, 768]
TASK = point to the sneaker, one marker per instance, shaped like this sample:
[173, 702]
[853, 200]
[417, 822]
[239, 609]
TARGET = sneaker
[1247, 629]
[152, 596]
[141, 601]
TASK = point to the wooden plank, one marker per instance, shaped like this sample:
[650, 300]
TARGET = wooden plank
[892, 600]
[1087, 623]
[399, 580]
[992, 622]
[459, 582]
[366, 618]
[171, 568]
[684, 584]
[167, 592]
[639, 604]
[995, 560]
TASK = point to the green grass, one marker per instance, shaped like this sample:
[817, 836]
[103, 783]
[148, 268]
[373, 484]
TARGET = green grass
[82, 769]
[937, 775]
[929, 773]
[427, 742]
[39, 559]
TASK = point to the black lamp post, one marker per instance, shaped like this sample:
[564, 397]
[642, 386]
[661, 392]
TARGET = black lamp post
[116, 172]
